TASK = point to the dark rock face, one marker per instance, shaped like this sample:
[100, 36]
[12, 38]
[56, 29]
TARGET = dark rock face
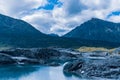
[6, 59]
[46, 56]
[103, 66]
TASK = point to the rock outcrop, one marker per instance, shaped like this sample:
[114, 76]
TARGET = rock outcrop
[95, 64]
[46, 56]
[6, 59]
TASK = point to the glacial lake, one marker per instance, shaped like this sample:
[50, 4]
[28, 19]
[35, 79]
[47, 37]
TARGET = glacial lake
[34, 73]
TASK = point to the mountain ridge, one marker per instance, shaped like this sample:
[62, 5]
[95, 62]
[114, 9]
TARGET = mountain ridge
[10, 25]
[17, 33]
[96, 29]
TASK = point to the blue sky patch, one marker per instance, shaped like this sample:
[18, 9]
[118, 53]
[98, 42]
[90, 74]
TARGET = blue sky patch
[115, 13]
[51, 4]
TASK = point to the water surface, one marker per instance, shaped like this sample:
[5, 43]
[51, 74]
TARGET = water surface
[34, 73]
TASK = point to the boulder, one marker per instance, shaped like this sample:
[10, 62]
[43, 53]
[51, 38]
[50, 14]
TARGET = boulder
[73, 66]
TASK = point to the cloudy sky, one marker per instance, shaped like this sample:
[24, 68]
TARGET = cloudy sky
[60, 16]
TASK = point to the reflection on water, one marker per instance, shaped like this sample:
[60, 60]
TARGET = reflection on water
[33, 73]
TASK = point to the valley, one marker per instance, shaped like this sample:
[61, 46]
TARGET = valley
[79, 54]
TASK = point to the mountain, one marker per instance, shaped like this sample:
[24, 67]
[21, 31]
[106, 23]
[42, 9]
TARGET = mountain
[52, 34]
[18, 33]
[15, 27]
[98, 30]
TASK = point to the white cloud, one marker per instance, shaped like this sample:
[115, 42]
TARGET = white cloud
[17, 8]
[73, 13]
[115, 19]
[41, 19]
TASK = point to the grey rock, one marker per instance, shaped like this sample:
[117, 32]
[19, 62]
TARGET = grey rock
[104, 68]
[44, 56]
[96, 54]
[6, 59]
[116, 51]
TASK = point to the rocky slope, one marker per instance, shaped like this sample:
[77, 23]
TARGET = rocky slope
[44, 56]
[96, 65]
[98, 30]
